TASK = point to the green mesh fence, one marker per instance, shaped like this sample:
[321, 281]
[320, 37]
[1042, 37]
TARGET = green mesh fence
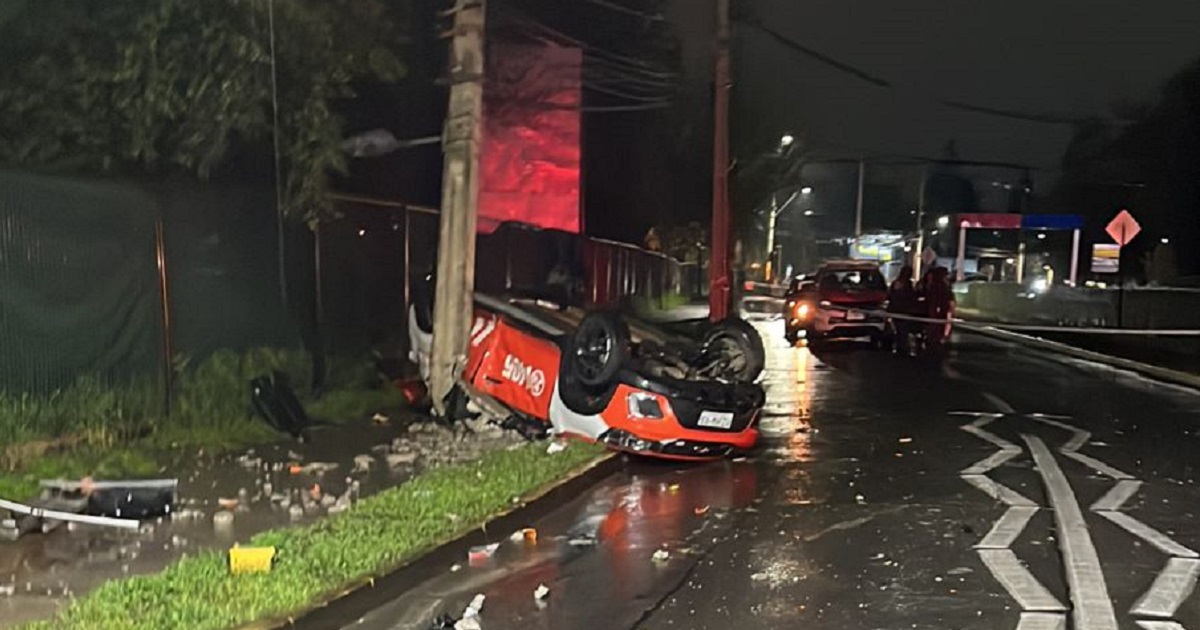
[78, 282]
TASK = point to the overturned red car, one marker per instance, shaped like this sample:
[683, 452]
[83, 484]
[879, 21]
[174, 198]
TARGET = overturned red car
[662, 396]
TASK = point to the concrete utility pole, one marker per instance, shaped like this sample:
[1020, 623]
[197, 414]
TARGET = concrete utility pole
[858, 209]
[453, 301]
[920, 225]
[719, 284]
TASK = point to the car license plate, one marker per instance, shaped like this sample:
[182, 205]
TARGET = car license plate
[716, 419]
[855, 316]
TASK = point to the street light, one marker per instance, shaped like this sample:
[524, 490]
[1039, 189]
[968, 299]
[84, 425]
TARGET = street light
[943, 221]
[807, 190]
[808, 213]
[1166, 241]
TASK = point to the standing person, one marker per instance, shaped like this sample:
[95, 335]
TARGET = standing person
[903, 300]
[940, 302]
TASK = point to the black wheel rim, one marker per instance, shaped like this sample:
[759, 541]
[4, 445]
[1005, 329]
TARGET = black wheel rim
[593, 352]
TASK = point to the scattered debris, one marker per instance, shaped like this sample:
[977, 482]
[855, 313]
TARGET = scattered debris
[905, 440]
[860, 499]
[960, 571]
[227, 504]
[380, 419]
[701, 511]
[363, 463]
[251, 560]
[223, 520]
[673, 488]
[395, 460]
[759, 577]
[295, 512]
[8, 590]
[661, 555]
[541, 592]
[528, 535]
[556, 446]
[44, 514]
[482, 553]
[318, 468]
[582, 541]
[455, 568]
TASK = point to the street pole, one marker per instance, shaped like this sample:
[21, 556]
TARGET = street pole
[719, 284]
[858, 209]
[771, 216]
[920, 225]
[453, 300]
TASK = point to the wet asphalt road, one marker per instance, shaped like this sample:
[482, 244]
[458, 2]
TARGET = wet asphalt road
[868, 503]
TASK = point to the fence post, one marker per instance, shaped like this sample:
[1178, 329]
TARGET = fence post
[160, 251]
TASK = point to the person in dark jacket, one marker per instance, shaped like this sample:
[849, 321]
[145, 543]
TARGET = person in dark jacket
[903, 300]
[940, 304]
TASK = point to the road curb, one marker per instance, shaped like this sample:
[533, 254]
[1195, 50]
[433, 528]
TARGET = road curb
[370, 594]
[1154, 372]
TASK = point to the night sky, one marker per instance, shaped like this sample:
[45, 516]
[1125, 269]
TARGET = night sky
[1066, 57]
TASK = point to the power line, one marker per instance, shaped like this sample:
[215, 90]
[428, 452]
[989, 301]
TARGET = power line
[883, 83]
[627, 10]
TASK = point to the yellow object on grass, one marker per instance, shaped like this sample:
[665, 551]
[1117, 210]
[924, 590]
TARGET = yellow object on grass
[250, 559]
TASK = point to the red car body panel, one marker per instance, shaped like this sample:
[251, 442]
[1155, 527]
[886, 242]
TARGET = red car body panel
[520, 368]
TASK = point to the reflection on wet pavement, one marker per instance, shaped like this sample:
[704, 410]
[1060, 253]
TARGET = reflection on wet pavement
[853, 513]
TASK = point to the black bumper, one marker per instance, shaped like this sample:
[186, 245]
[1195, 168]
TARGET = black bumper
[625, 441]
[690, 398]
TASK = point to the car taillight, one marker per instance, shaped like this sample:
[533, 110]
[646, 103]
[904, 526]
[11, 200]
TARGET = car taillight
[645, 406]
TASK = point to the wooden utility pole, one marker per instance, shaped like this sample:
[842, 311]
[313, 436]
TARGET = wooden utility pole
[719, 283]
[453, 304]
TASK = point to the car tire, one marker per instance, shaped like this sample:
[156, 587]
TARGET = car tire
[422, 302]
[813, 338]
[597, 350]
[746, 338]
[791, 336]
[578, 397]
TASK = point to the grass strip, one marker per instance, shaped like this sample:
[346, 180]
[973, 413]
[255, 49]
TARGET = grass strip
[315, 561]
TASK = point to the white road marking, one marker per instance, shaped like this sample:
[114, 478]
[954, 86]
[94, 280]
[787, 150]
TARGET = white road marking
[1006, 530]
[991, 461]
[1042, 621]
[999, 402]
[976, 414]
[1159, 625]
[1097, 465]
[1019, 582]
[1149, 534]
[1117, 496]
[1169, 590]
[1000, 443]
[999, 492]
[1092, 607]
[1052, 416]
[1075, 443]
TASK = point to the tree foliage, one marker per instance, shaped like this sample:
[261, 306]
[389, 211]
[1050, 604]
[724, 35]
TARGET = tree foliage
[154, 86]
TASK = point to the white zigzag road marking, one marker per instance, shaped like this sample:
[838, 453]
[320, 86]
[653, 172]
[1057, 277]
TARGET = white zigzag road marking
[1169, 590]
[1117, 496]
[999, 492]
[1006, 530]
[1097, 465]
[991, 461]
[1092, 607]
[1175, 583]
[1042, 621]
[1018, 581]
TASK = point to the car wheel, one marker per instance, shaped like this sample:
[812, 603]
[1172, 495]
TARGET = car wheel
[737, 347]
[791, 336]
[597, 349]
[578, 397]
[813, 338]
